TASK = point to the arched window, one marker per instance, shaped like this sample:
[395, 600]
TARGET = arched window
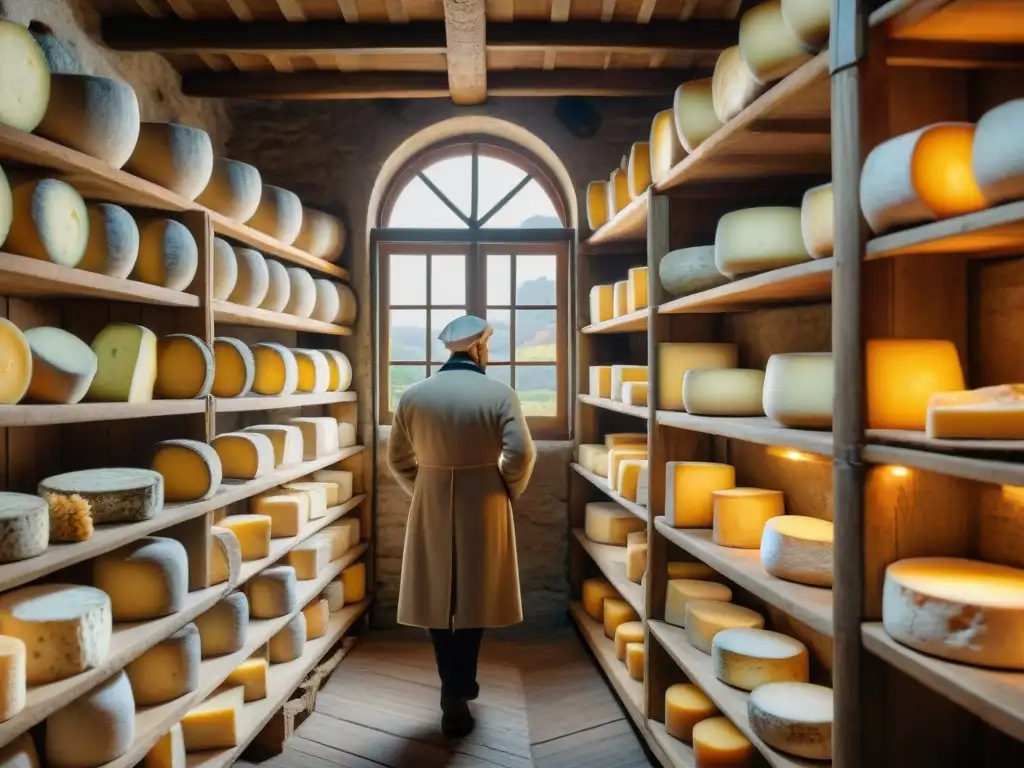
[476, 226]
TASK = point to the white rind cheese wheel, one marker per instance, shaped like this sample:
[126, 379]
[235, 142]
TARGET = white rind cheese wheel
[597, 204]
[273, 593]
[314, 372]
[234, 189]
[733, 85]
[817, 221]
[113, 244]
[606, 522]
[602, 303]
[191, 470]
[638, 170]
[50, 222]
[234, 367]
[24, 527]
[618, 191]
[706, 618]
[334, 594]
[225, 557]
[25, 79]
[279, 214]
[253, 278]
[13, 688]
[797, 548]
[184, 368]
[277, 371]
[126, 364]
[676, 358]
[798, 389]
[795, 718]
[320, 435]
[66, 628]
[767, 47]
[746, 658]
[808, 21]
[167, 670]
[244, 455]
[63, 366]
[168, 255]
[756, 239]
[601, 381]
[349, 305]
[666, 150]
[225, 269]
[920, 176]
[301, 294]
[288, 644]
[95, 728]
[328, 302]
[679, 592]
[147, 579]
[740, 515]
[279, 287]
[177, 157]
[689, 270]
[693, 108]
[689, 489]
[341, 370]
[6, 206]
[115, 495]
[98, 116]
[723, 392]
[321, 235]
[223, 628]
[997, 154]
[962, 610]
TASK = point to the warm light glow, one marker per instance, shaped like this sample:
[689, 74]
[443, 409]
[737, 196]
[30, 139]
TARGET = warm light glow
[791, 454]
[899, 471]
[1014, 493]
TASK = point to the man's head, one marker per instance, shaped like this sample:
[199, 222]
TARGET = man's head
[469, 335]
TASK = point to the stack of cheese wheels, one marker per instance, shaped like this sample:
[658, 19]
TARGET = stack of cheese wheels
[693, 109]
[768, 47]
[25, 79]
[177, 157]
[997, 154]
[279, 214]
[321, 235]
[234, 190]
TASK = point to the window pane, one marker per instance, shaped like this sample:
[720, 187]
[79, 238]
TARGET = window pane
[416, 206]
[454, 177]
[502, 373]
[439, 318]
[530, 208]
[408, 335]
[535, 279]
[401, 377]
[536, 335]
[448, 279]
[497, 179]
[498, 347]
[499, 279]
[408, 278]
[537, 387]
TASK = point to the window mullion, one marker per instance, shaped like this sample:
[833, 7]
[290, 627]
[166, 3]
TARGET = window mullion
[474, 205]
[443, 198]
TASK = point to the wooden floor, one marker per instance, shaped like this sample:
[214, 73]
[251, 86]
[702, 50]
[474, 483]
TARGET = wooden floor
[542, 703]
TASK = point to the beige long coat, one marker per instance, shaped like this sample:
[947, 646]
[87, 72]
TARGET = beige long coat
[461, 449]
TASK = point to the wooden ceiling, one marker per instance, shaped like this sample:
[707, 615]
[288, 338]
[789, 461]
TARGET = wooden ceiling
[465, 49]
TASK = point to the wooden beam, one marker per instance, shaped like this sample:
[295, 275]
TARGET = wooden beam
[465, 26]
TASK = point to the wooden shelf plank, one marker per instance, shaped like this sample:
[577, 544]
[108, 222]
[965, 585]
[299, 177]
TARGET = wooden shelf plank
[678, 754]
[981, 469]
[634, 322]
[995, 696]
[30, 415]
[612, 562]
[226, 312]
[602, 485]
[757, 429]
[810, 605]
[270, 402]
[732, 702]
[640, 411]
[997, 231]
[960, 21]
[628, 224]
[921, 441]
[809, 281]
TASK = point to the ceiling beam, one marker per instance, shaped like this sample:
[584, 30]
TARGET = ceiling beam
[465, 27]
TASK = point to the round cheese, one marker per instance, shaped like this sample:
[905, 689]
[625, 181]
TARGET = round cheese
[234, 367]
[808, 21]
[997, 153]
[638, 171]
[349, 305]
[126, 369]
[318, 615]
[741, 513]
[717, 742]
[723, 392]
[191, 470]
[279, 287]
[51, 222]
[95, 728]
[225, 269]
[817, 221]
[146, 579]
[629, 632]
[113, 244]
[223, 628]
[234, 189]
[328, 301]
[279, 214]
[746, 658]
[63, 366]
[115, 495]
[24, 527]
[244, 455]
[225, 556]
[597, 204]
[666, 150]
[691, 570]
[13, 689]
[301, 294]
[277, 371]
[962, 610]
[594, 592]
[693, 110]
[168, 670]
[901, 375]
[689, 486]
[168, 255]
[706, 618]
[184, 368]
[273, 593]
[340, 370]
[321, 235]
[60, 57]
[798, 548]
[66, 628]
[25, 79]
[253, 278]
[689, 270]
[756, 239]
[767, 47]
[798, 389]
[177, 157]
[6, 206]
[618, 192]
[795, 718]
[288, 644]
[314, 371]
[95, 115]
[685, 706]
[635, 660]
[733, 85]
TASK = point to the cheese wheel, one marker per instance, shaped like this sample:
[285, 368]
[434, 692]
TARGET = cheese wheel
[616, 612]
[169, 750]
[620, 298]
[321, 235]
[168, 255]
[222, 629]
[817, 221]
[126, 357]
[666, 150]
[733, 85]
[327, 303]
[623, 373]
[6, 200]
[608, 523]
[279, 289]
[251, 674]
[13, 689]
[167, 670]
[618, 191]
[184, 367]
[988, 413]
[286, 439]
[635, 660]
[349, 305]
[234, 367]
[602, 303]
[795, 718]
[288, 644]
[679, 592]
[689, 491]
[638, 171]
[146, 579]
[93, 729]
[689, 270]
[24, 527]
[676, 358]
[244, 455]
[962, 610]
[797, 548]
[25, 80]
[629, 632]
[685, 706]
[746, 658]
[901, 375]
[252, 532]
[724, 392]
[225, 269]
[597, 204]
[253, 280]
[767, 47]
[334, 594]
[16, 359]
[920, 176]
[279, 214]
[756, 239]
[50, 222]
[636, 289]
[115, 495]
[95, 115]
[798, 389]
[706, 618]
[314, 372]
[302, 293]
[177, 157]
[319, 436]
[354, 580]
[234, 189]
[340, 370]
[273, 593]
[63, 366]
[191, 470]
[997, 154]
[277, 371]
[808, 21]
[66, 628]
[317, 615]
[740, 515]
[594, 593]
[693, 110]
[113, 243]
[635, 393]
[225, 563]
[719, 743]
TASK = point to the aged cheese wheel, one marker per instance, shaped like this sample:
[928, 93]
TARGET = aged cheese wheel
[95, 728]
[328, 301]
[95, 115]
[115, 495]
[997, 155]
[798, 548]
[798, 389]
[768, 48]
[50, 223]
[145, 580]
[225, 269]
[349, 305]
[795, 718]
[340, 368]
[680, 592]
[693, 108]
[279, 214]
[177, 157]
[746, 658]
[618, 192]
[25, 80]
[301, 294]
[60, 57]
[756, 239]
[222, 629]
[253, 278]
[817, 221]
[190, 470]
[808, 21]
[685, 706]
[740, 515]
[666, 150]
[167, 670]
[244, 456]
[277, 372]
[168, 255]
[901, 375]
[279, 287]
[724, 392]
[597, 204]
[234, 190]
[126, 364]
[718, 742]
[689, 270]
[314, 371]
[733, 85]
[706, 618]
[15, 362]
[13, 686]
[24, 526]
[234, 367]
[6, 206]
[63, 366]
[273, 593]
[638, 170]
[113, 244]
[321, 235]
[184, 368]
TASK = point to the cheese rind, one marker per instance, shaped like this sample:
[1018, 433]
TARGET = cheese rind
[597, 205]
[277, 370]
[691, 570]
[167, 670]
[666, 150]
[706, 618]
[169, 751]
[24, 526]
[600, 381]
[989, 413]
[279, 214]
[253, 533]
[594, 593]
[272, 593]
[25, 81]
[629, 632]
[286, 440]
[602, 303]
[225, 556]
[334, 594]
[689, 270]
[617, 611]
[253, 279]
[758, 239]
[636, 556]
[63, 366]
[216, 723]
[618, 455]
[636, 289]
[623, 373]
[288, 644]
[795, 718]
[797, 548]
[115, 495]
[685, 706]
[341, 370]
[319, 436]
[594, 458]
[113, 244]
[13, 688]
[314, 372]
[190, 470]
[328, 302]
[746, 658]
[317, 493]
[635, 660]
[689, 491]
[724, 392]
[251, 674]
[618, 191]
[279, 287]
[693, 108]
[717, 742]
[902, 374]
[175, 156]
[244, 455]
[343, 479]
[620, 298]
[145, 580]
[798, 389]
[301, 293]
[309, 558]
[16, 359]
[126, 361]
[733, 85]
[817, 221]
[628, 483]
[234, 367]
[184, 367]
[608, 523]
[317, 615]
[168, 255]
[98, 116]
[767, 47]
[349, 305]
[288, 512]
[354, 579]
[93, 729]
[808, 21]
[50, 221]
[638, 169]
[635, 393]
[997, 153]
[679, 592]
[223, 627]
[234, 189]
[676, 358]
[740, 515]
[321, 235]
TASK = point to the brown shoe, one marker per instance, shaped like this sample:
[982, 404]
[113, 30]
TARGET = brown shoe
[456, 720]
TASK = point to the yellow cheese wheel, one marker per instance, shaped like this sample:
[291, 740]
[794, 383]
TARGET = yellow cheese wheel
[63, 366]
[321, 235]
[234, 367]
[693, 108]
[817, 221]
[666, 150]
[597, 204]
[685, 706]
[253, 278]
[225, 269]
[717, 743]
[638, 171]
[733, 85]
[279, 214]
[168, 255]
[6, 206]
[95, 115]
[50, 223]
[902, 374]
[234, 189]
[768, 48]
[184, 367]
[25, 79]
[808, 21]
[618, 191]
[279, 287]
[15, 363]
[113, 244]
[177, 157]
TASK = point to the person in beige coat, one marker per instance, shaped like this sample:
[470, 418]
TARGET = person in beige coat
[460, 447]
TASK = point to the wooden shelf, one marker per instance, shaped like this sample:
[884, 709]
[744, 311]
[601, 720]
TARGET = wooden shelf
[282, 680]
[756, 429]
[612, 562]
[226, 312]
[271, 402]
[628, 224]
[962, 21]
[979, 469]
[810, 281]
[640, 411]
[29, 415]
[810, 605]
[995, 696]
[993, 232]
[921, 441]
[634, 322]
[732, 702]
[678, 754]
[602, 485]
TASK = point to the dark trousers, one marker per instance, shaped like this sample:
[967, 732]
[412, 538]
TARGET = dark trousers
[456, 652]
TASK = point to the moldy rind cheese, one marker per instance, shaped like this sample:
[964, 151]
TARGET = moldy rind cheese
[146, 579]
[689, 270]
[279, 214]
[795, 718]
[997, 153]
[26, 79]
[222, 629]
[63, 366]
[746, 658]
[167, 670]
[253, 279]
[50, 221]
[113, 244]
[95, 728]
[184, 367]
[24, 526]
[234, 189]
[168, 255]
[225, 269]
[177, 157]
[797, 548]
[301, 293]
[115, 495]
